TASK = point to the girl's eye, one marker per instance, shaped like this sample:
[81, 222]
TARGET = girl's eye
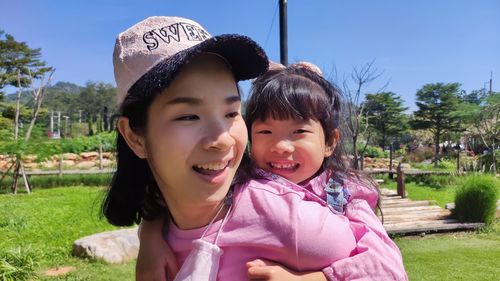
[232, 114]
[187, 118]
[300, 131]
[264, 132]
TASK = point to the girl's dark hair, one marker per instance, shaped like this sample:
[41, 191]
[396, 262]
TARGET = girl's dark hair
[299, 93]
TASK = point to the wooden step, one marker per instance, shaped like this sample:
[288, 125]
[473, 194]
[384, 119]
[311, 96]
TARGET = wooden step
[435, 215]
[438, 226]
[403, 216]
[405, 224]
[408, 209]
[406, 203]
[387, 199]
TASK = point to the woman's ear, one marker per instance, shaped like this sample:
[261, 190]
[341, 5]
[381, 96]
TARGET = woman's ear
[332, 143]
[135, 142]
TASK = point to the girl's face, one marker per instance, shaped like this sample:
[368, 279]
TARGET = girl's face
[195, 135]
[292, 149]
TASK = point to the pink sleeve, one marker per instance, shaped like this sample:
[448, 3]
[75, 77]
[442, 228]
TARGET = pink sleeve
[359, 190]
[377, 258]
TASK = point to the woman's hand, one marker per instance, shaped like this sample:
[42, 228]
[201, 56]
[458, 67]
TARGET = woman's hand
[261, 269]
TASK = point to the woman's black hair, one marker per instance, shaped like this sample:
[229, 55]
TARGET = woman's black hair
[133, 193]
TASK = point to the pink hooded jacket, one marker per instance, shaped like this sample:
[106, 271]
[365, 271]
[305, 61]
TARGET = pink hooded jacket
[275, 219]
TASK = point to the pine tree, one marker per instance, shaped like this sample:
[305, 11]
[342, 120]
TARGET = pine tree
[436, 104]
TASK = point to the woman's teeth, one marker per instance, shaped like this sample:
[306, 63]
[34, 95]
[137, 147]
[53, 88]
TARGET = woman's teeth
[212, 166]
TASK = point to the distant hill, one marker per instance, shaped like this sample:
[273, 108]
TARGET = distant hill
[58, 96]
[66, 87]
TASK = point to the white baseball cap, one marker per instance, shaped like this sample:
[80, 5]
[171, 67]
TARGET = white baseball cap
[155, 49]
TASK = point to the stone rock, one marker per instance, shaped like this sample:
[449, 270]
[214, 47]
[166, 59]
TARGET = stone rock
[108, 155]
[116, 246]
[85, 164]
[107, 162]
[70, 156]
[405, 166]
[4, 165]
[67, 163]
[30, 165]
[59, 271]
[89, 155]
[29, 158]
[48, 164]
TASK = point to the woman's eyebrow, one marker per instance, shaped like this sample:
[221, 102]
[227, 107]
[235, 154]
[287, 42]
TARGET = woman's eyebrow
[184, 100]
[198, 101]
[232, 99]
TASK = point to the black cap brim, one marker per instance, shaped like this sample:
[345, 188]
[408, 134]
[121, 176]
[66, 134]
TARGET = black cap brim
[246, 58]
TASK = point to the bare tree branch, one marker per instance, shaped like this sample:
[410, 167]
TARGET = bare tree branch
[354, 108]
[38, 98]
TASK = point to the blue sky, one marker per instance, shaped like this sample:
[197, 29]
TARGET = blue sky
[412, 42]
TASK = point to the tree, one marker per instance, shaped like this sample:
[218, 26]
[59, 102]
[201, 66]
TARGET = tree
[20, 67]
[483, 122]
[17, 57]
[97, 100]
[353, 121]
[436, 103]
[385, 114]
[38, 94]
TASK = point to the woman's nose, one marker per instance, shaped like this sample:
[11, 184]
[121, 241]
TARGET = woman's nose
[218, 137]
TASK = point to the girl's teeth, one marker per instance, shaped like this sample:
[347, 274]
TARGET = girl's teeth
[283, 166]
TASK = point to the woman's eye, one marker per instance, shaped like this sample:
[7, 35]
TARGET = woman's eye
[187, 118]
[300, 131]
[264, 132]
[232, 114]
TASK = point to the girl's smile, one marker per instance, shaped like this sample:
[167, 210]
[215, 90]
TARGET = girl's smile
[293, 149]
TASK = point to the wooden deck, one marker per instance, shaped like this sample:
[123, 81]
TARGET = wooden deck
[408, 217]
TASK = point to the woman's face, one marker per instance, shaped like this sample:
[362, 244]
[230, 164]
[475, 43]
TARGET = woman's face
[196, 136]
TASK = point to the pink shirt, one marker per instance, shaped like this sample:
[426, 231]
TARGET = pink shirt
[277, 220]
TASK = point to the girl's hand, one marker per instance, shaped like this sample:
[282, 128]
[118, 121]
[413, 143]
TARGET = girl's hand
[261, 269]
[156, 261]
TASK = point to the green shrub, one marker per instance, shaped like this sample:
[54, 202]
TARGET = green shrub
[419, 155]
[374, 152]
[476, 199]
[486, 162]
[43, 149]
[84, 144]
[59, 181]
[434, 181]
[19, 264]
[447, 165]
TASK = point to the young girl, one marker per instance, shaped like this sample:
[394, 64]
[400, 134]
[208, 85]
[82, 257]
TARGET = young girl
[293, 116]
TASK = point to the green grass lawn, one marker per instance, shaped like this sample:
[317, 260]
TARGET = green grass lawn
[454, 256]
[415, 191]
[47, 222]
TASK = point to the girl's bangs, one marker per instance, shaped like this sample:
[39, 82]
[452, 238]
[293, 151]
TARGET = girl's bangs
[297, 99]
